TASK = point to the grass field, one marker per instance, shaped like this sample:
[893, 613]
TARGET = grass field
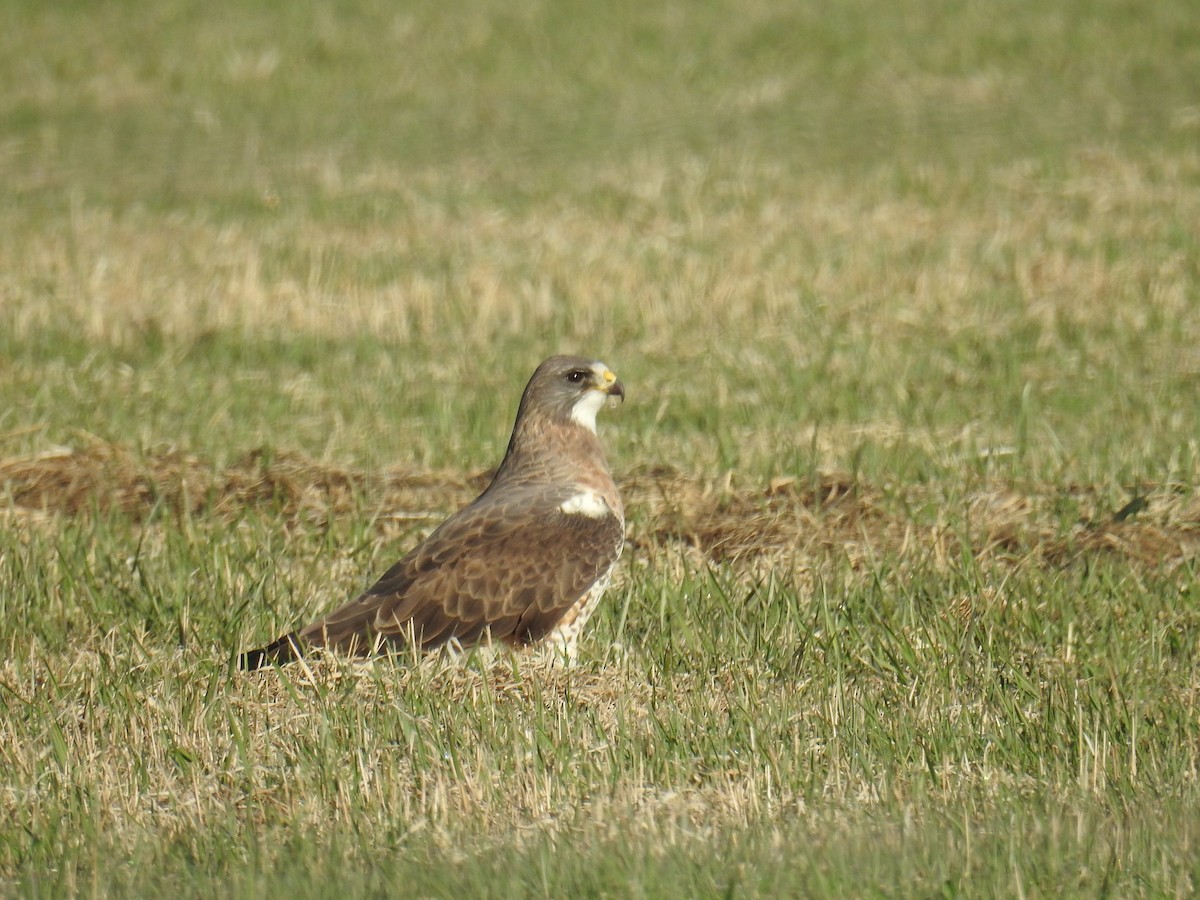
[906, 297]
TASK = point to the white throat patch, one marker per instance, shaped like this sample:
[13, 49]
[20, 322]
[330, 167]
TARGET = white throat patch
[586, 503]
[585, 409]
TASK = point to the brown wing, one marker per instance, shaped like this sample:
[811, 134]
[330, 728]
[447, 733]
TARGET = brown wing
[512, 562]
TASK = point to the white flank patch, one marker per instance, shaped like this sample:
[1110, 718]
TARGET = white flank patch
[586, 503]
[585, 409]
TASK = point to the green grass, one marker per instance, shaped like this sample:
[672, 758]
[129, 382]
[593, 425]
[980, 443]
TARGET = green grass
[858, 736]
[941, 258]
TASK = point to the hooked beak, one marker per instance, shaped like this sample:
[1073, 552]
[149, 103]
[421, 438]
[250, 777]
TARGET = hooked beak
[612, 385]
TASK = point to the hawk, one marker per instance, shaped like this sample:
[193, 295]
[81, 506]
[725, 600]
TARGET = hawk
[525, 562]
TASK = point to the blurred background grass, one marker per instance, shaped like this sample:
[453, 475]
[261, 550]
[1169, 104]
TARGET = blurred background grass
[353, 229]
[949, 249]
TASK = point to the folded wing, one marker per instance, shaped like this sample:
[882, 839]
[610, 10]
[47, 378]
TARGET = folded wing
[510, 564]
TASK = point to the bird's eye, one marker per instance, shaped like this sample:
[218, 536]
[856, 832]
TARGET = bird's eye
[576, 376]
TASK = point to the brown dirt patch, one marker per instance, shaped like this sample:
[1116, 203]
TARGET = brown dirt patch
[789, 521]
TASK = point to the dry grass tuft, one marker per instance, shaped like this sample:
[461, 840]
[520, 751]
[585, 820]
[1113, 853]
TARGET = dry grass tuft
[784, 523]
[726, 524]
[107, 477]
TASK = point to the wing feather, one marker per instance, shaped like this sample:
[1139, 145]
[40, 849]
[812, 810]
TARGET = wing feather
[512, 562]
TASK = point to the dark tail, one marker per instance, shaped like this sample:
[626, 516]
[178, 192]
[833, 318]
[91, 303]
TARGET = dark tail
[284, 650]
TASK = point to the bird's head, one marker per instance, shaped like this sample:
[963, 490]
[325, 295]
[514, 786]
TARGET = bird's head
[572, 388]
